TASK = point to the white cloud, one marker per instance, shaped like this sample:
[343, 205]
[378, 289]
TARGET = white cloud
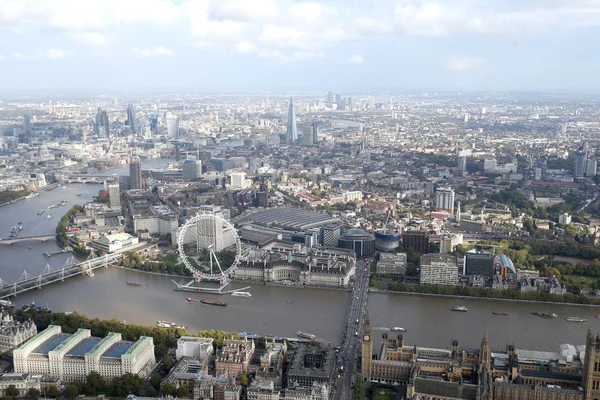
[92, 39]
[307, 55]
[244, 10]
[283, 36]
[154, 51]
[466, 63]
[356, 59]
[55, 54]
[245, 47]
[51, 54]
[310, 11]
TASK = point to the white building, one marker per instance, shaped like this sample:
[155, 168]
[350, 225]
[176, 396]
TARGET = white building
[489, 164]
[352, 196]
[319, 391]
[564, 218]
[160, 225]
[13, 333]
[444, 199]
[172, 126]
[449, 242]
[72, 357]
[262, 390]
[438, 269]
[114, 242]
[114, 195]
[239, 181]
[195, 347]
[22, 382]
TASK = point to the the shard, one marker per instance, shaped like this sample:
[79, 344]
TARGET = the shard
[292, 128]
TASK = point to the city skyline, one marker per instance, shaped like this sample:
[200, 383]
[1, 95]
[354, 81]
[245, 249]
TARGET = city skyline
[464, 46]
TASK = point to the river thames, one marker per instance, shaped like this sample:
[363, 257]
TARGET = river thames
[428, 320]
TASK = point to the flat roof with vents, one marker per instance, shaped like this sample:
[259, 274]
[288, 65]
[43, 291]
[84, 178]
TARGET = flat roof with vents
[83, 347]
[117, 349]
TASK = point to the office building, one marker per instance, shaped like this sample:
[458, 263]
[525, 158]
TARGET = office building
[172, 126]
[449, 242]
[329, 97]
[590, 167]
[131, 121]
[192, 169]
[72, 357]
[13, 333]
[238, 180]
[114, 195]
[292, 128]
[391, 264]
[318, 391]
[359, 240]
[462, 165]
[233, 359]
[387, 240]
[135, 174]
[271, 362]
[198, 348]
[444, 200]
[262, 390]
[221, 164]
[27, 124]
[417, 240]
[480, 263]
[101, 127]
[311, 364]
[315, 133]
[438, 269]
[330, 234]
[580, 161]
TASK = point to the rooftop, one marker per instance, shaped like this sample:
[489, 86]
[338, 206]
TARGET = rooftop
[288, 218]
[48, 345]
[117, 349]
[83, 347]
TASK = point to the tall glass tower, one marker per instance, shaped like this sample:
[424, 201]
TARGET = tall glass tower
[292, 128]
[131, 119]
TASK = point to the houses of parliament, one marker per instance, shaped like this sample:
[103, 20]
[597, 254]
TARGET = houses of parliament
[571, 373]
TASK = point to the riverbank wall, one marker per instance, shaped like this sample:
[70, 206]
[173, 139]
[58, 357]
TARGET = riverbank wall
[373, 290]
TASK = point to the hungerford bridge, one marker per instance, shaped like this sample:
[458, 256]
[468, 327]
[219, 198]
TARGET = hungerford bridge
[28, 281]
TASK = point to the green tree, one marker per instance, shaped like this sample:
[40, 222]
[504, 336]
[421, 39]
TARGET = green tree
[244, 380]
[182, 392]
[12, 391]
[168, 389]
[150, 391]
[155, 381]
[72, 391]
[359, 390]
[168, 363]
[52, 392]
[94, 383]
[33, 394]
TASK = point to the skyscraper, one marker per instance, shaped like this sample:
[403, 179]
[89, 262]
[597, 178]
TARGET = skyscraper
[135, 174]
[315, 133]
[114, 195]
[173, 126]
[101, 125]
[131, 122]
[444, 199]
[580, 161]
[292, 128]
[27, 124]
[330, 97]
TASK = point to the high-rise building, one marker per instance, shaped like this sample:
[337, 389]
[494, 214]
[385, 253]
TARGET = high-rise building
[101, 127]
[580, 161]
[418, 240]
[135, 174]
[444, 199]
[315, 133]
[154, 124]
[172, 126]
[131, 122]
[438, 269]
[192, 169]
[462, 165]
[590, 167]
[114, 195]
[292, 128]
[330, 97]
[338, 99]
[27, 124]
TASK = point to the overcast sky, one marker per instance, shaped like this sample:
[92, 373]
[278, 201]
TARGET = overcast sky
[293, 45]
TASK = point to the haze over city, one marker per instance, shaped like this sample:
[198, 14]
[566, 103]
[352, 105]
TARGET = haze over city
[284, 46]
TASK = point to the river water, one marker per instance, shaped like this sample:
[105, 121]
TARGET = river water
[428, 320]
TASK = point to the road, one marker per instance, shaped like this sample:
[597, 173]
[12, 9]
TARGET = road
[349, 350]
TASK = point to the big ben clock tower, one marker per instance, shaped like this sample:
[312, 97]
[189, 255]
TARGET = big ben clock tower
[367, 349]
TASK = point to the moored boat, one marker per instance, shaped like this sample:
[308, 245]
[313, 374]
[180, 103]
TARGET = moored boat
[6, 303]
[459, 309]
[306, 335]
[501, 313]
[248, 335]
[576, 319]
[213, 303]
[135, 284]
[32, 195]
[241, 294]
[190, 300]
[398, 329]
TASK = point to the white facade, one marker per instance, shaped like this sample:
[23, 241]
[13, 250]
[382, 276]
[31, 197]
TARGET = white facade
[13, 333]
[22, 382]
[114, 195]
[238, 180]
[352, 196]
[262, 390]
[564, 219]
[154, 225]
[172, 126]
[438, 269]
[195, 347]
[444, 199]
[73, 357]
[114, 242]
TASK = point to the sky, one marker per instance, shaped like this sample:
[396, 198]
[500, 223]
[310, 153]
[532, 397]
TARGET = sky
[303, 46]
